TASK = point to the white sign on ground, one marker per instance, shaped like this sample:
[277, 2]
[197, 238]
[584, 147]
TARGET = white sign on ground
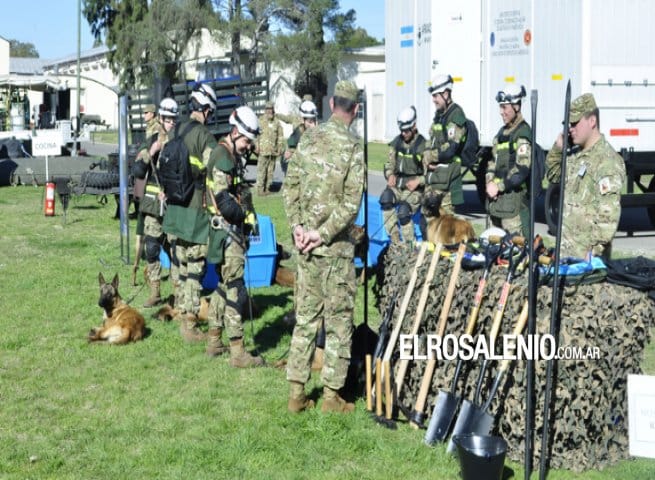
[641, 415]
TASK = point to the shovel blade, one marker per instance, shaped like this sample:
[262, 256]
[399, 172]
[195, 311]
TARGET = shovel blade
[445, 408]
[471, 419]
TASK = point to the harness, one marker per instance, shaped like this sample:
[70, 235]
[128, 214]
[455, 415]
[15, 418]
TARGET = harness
[506, 149]
[409, 162]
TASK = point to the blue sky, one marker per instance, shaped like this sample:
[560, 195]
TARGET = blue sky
[52, 25]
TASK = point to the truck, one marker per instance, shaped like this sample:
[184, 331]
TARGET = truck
[604, 47]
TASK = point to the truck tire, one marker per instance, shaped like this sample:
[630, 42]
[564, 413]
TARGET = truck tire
[100, 179]
[551, 207]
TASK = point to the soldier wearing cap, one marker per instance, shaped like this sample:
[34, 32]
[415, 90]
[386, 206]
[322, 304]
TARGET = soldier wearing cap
[508, 172]
[404, 173]
[322, 194]
[594, 177]
[270, 145]
[443, 176]
[150, 117]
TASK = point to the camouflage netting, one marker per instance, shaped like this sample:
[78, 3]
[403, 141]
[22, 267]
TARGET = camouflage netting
[589, 412]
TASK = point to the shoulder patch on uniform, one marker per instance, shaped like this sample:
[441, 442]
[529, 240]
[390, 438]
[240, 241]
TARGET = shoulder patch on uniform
[451, 132]
[523, 149]
[605, 185]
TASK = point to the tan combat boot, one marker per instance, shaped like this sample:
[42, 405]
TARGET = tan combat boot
[215, 346]
[155, 296]
[298, 401]
[189, 329]
[239, 358]
[317, 362]
[332, 402]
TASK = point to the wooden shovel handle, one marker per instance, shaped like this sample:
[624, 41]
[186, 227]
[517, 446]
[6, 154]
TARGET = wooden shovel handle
[518, 329]
[378, 387]
[445, 309]
[388, 398]
[369, 383]
[401, 371]
[405, 303]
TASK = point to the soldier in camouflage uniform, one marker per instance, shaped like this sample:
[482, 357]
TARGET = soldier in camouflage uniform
[232, 212]
[322, 194]
[151, 206]
[269, 146]
[404, 173]
[594, 177]
[443, 175]
[152, 128]
[190, 224]
[308, 114]
[508, 172]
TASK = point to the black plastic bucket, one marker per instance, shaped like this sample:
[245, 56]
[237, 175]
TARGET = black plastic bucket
[481, 457]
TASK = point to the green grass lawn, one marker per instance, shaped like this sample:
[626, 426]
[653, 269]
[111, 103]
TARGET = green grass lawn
[160, 408]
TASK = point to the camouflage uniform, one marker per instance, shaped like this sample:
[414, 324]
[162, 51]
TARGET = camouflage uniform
[592, 194]
[509, 168]
[190, 225]
[153, 212]
[447, 137]
[270, 146]
[405, 161]
[323, 191]
[224, 310]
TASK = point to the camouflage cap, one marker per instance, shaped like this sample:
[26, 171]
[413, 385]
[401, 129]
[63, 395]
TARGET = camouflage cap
[270, 105]
[581, 106]
[149, 108]
[308, 97]
[346, 89]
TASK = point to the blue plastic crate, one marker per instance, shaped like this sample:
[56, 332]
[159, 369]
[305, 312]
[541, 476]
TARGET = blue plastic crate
[377, 232]
[260, 259]
[261, 255]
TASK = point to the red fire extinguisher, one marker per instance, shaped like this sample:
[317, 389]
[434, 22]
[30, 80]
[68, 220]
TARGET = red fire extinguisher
[49, 207]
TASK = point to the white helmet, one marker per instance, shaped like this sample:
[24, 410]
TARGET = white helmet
[205, 96]
[512, 93]
[168, 108]
[441, 83]
[246, 122]
[407, 118]
[308, 109]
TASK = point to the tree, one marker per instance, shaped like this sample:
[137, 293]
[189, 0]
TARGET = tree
[306, 46]
[358, 38]
[146, 39]
[22, 49]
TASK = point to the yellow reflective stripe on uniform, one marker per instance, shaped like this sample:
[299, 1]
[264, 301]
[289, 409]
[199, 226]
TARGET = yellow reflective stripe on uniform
[152, 188]
[196, 162]
[502, 146]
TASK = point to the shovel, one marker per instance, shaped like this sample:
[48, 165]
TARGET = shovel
[391, 343]
[475, 419]
[420, 309]
[445, 407]
[463, 419]
[417, 415]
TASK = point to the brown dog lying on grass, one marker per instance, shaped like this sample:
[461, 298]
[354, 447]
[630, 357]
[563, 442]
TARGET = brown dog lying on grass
[445, 228]
[121, 323]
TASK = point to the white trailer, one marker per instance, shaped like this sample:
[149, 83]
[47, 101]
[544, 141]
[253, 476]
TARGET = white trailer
[605, 47]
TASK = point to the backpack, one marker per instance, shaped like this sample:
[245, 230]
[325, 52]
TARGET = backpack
[469, 153]
[174, 169]
[636, 272]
